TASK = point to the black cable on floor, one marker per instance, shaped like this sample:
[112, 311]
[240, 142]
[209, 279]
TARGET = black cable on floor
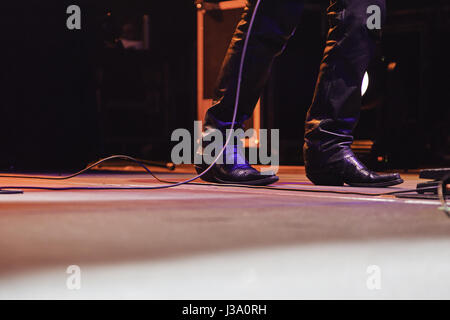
[170, 184]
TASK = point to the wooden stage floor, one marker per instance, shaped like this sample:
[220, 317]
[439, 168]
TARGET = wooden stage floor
[203, 242]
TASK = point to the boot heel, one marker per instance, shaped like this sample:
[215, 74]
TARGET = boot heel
[208, 177]
[325, 179]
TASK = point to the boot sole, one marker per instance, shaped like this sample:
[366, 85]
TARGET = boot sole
[377, 185]
[334, 181]
[209, 177]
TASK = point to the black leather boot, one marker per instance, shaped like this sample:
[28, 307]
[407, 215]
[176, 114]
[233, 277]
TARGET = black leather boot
[335, 109]
[344, 168]
[234, 169]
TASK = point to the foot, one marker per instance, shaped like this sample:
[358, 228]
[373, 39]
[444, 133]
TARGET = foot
[349, 170]
[235, 171]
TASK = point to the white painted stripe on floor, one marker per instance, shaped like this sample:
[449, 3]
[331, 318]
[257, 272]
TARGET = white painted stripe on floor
[109, 196]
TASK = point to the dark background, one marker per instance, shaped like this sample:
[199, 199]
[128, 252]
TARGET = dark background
[70, 97]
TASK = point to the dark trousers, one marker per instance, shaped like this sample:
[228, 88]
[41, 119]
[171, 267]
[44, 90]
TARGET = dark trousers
[334, 111]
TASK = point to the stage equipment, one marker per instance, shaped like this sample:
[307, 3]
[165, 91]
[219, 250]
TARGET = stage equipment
[436, 175]
[436, 189]
[404, 110]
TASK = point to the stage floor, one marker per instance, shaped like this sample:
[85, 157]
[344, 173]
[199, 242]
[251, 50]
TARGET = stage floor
[203, 242]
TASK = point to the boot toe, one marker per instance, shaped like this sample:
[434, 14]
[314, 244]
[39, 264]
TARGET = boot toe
[377, 181]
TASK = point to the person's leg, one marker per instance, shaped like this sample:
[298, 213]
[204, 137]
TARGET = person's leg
[275, 22]
[335, 109]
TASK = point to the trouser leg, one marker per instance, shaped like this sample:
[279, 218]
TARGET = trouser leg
[335, 109]
[275, 23]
